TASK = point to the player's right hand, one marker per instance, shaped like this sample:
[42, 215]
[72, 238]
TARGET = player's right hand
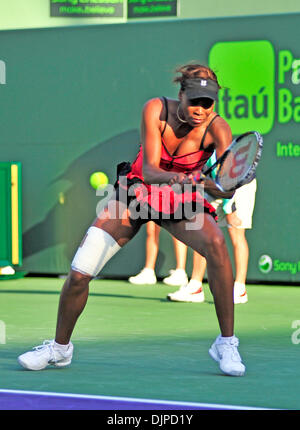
[180, 178]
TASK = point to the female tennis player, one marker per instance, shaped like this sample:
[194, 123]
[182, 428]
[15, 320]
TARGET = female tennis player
[177, 138]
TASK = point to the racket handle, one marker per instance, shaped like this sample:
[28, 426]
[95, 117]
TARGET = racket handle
[210, 169]
[199, 177]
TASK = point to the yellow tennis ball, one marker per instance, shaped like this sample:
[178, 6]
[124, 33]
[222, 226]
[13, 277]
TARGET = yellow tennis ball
[98, 180]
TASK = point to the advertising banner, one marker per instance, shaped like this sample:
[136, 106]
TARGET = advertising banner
[71, 101]
[87, 8]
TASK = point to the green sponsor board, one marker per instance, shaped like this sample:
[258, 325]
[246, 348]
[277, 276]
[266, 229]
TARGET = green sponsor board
[266, 264]
[87, 8]
[74, 108]
[151, 8]
[260, 91]
[256, 88]
[287, 150]
[247, 96]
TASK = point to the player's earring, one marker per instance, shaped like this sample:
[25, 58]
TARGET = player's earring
[180, 119]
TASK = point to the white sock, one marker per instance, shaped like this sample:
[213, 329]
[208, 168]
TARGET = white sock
[196, 282]
[224, 339]
[148, 269]
[61, 347]
[240, 285]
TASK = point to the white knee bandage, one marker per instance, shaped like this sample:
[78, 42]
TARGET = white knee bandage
[95, 250]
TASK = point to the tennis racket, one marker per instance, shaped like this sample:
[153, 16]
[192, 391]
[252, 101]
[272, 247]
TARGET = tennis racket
[237, 166]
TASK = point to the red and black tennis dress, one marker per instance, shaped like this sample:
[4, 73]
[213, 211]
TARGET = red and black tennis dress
[157, 202]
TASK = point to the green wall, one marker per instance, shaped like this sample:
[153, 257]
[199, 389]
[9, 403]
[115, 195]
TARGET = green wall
[71, 105]
[19, 14]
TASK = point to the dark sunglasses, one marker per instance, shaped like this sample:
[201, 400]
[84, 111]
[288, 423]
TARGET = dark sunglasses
[204, 102]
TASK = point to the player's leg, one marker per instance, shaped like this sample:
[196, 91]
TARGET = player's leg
[152, 244]
[241, 257]
[193, 291]
[147, 274]
[209, 241]
[103, 239]
[199, 267]
[178, 277]
[244, 200]
[109, 232]
[241, 253]
[180, 250]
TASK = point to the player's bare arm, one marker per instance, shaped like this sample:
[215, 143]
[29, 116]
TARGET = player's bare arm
[151, 141]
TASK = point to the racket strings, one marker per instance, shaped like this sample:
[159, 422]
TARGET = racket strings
[238, 168]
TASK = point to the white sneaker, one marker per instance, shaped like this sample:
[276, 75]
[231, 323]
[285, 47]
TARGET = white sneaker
[145, 277]
[192, 292]
[44, 355]
[7, 270]
[240, 293]
[177, 278]
[227, 355]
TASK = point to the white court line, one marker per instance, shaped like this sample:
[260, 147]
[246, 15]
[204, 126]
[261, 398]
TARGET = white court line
[131, 400]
